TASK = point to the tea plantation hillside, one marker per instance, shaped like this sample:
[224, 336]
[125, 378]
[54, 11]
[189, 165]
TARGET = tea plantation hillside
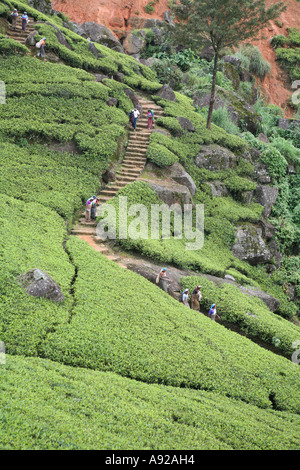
[120, 364]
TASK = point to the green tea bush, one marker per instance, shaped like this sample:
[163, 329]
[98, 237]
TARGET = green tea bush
[71, 409]
[160, 155]
[137, 336]
[248, 313]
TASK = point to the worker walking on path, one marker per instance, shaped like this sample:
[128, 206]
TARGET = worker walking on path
[196, 298]
[14, 17]
[162, 280]
[186, 298]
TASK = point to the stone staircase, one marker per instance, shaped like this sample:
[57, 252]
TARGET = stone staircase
[129, 171]
[17, 33]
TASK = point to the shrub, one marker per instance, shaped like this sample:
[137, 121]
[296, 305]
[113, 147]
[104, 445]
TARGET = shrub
[160, 155]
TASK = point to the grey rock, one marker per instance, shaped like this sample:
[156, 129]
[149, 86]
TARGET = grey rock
[134, 99]
[235, 61]
[39, 284]
[44, 6]
[250, 246]
[93, 49]
[214, 157]
[167, 93]
[272, 303]
[112, 101]
[266, 196]
[261, 174]
[186, 124]
[231, 278]
[171, 193]
[30, 41]
[263, 138]
[134, 43]
[108, 176]
[178, 174]
[168, 18]
[268, 230]
[99, 77]
[218, 189]
[98, 33]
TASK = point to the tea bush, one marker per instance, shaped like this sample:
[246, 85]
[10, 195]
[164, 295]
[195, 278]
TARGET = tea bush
[71, 409]
[142, 333]
[249, 313]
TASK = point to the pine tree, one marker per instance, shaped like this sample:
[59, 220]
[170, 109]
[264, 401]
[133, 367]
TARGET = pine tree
[224, 23]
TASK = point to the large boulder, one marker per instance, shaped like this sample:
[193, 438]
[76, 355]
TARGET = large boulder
[266, 196]
[178, 174]
[135, 101]
[98, 33]
[166, 93]
[271, 302]
[44, 6]
[171, 192]
[39, 284]
[250, 245]
[186, 124]
[213, 157]
[134, 43]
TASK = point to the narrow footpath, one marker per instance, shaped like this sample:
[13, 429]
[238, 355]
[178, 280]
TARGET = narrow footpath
[130, 170]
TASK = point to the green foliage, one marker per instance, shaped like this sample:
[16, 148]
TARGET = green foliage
[160, 155]
[71, 409]
[249, 313]
[254, 61]
[11, 47]
[116, 337]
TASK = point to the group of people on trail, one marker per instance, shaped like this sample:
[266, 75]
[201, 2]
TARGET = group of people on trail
[90, 208]
[24, 18]
[193, 302]
[135, 114]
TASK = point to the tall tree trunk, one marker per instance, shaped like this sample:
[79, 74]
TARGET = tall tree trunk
[213, 90]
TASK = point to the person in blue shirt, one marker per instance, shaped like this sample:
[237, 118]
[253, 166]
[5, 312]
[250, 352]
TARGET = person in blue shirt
[213, 312]
[25, 20]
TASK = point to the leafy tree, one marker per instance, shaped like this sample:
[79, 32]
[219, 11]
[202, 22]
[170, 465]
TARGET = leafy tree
[221, 23]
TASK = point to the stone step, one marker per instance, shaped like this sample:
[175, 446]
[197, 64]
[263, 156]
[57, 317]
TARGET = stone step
[129, 172]
[134, 161]
[86, 223]
[81, 230]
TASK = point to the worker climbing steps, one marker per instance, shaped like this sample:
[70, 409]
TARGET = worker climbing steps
[16, 32]
[129, 171]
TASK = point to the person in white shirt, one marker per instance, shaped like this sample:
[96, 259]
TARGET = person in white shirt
[136, 115]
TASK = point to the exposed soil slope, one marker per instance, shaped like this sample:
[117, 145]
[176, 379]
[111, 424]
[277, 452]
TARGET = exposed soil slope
[121, 15]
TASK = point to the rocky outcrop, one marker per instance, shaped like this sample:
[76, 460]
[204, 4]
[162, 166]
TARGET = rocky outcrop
[98, 33]
[39, 284]
[271, 302]
[239, 110]
[266, 196]
[250, 245]
[171, 192]
[215, 158]
[166, 93]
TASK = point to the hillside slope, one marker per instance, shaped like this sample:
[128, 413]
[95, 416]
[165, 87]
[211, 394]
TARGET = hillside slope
[119, 363]
[121, 17]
